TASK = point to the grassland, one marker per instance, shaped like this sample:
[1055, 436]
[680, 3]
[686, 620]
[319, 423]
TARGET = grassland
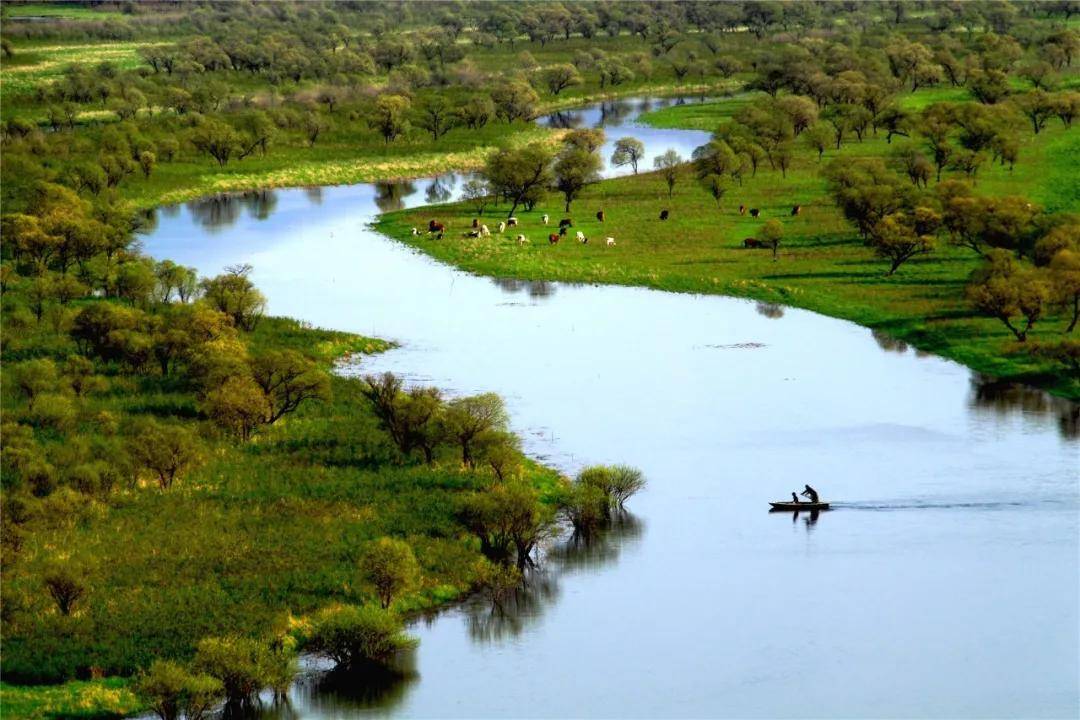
[822, 265]
[82, 699]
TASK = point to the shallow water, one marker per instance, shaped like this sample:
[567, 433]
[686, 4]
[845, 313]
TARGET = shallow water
[944, 583]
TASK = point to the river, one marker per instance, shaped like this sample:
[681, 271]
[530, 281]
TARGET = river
[945, 583]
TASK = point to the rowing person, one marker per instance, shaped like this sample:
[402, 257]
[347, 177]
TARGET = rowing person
[811, 493]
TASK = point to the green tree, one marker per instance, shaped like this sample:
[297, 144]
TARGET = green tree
[168, 451]
[390, 566]
[668, 165]
[172, 691]
[390, 116]
[628, 151]
[354, 637]
[772, 232]
[1003, 289]
[468, 419]
[517, 172]
[575, 169]
[217, 139]
[557, 78]
[437, 116]
[234, 294]
[287, 380]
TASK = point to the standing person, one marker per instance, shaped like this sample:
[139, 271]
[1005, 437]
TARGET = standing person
[810, 493]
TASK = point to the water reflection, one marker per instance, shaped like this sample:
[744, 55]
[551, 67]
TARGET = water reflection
[888, 342]
[1009, 399]
[329, 693]
[220, 212]
[565, 119]
[440, 189]
[773, 311]
[534, 288]
[390, 196]
[314, 194]
[614, 113]
[491, 619]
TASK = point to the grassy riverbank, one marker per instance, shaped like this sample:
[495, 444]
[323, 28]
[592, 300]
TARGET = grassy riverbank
[823, 266]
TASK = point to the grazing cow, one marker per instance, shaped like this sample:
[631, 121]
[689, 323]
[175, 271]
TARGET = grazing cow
[665, 214]
[563, 230]
[796, 210]
[502, 227]
[600, 215]
[566, 222]
[581, 237]
[553, 239]
[752, 243]
[484, 232]
[472, 233]
[521, 239]
[609, 241]
[754, 212]
[475, 223]
[544, 218]
[436, 227]
[742, 209]
[511, 222]
[415, 232]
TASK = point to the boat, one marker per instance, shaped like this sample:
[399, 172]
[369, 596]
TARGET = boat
[789, 506]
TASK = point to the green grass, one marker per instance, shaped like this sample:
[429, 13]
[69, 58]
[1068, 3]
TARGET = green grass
[823, 266]
[60, 11]
[86, 699]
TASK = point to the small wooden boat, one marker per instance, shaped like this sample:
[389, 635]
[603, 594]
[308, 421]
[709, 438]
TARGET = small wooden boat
[798, 506]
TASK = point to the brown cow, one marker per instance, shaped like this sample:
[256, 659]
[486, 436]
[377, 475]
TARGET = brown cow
[553, 239]
[752, 243]
[754, 212]
[664, 214]
[796, 210]
[742, 209]
[600, 215]
[435, 226]
[475, 223]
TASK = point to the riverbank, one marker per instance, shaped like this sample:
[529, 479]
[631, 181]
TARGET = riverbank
[822, 265]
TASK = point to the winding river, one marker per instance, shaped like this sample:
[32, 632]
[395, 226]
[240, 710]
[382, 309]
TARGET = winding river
[946, 582]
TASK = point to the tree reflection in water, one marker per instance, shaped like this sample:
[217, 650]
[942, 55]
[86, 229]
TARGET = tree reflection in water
[220, 212]
[314, 194]
[1009, 399]
[441, 189]
[773, 311]
[390, 196]
[493, 619]
[321, 693]
[565, 120]
[534, 288]
[889, 343]
[614, 113]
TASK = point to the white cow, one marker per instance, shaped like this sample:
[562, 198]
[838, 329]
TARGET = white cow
[581, 237]
[609, 241]
[502, 227]
[545, 218]
[511, 222]
[415, 232]
[484, 232]
[522, 239]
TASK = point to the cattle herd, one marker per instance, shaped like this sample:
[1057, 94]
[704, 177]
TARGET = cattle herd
[479, 229]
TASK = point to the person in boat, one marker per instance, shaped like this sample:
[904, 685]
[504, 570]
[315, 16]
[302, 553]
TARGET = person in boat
[811, 493]
[794, 498]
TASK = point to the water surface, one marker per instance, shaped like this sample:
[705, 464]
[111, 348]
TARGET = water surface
[944, 584]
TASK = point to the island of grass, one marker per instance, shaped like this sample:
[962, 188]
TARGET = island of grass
[822, 265]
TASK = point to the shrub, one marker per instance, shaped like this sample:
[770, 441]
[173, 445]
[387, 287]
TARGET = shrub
[52, 410]
[171, 691]
[353, 636]
[391, 567]
[240, 664]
